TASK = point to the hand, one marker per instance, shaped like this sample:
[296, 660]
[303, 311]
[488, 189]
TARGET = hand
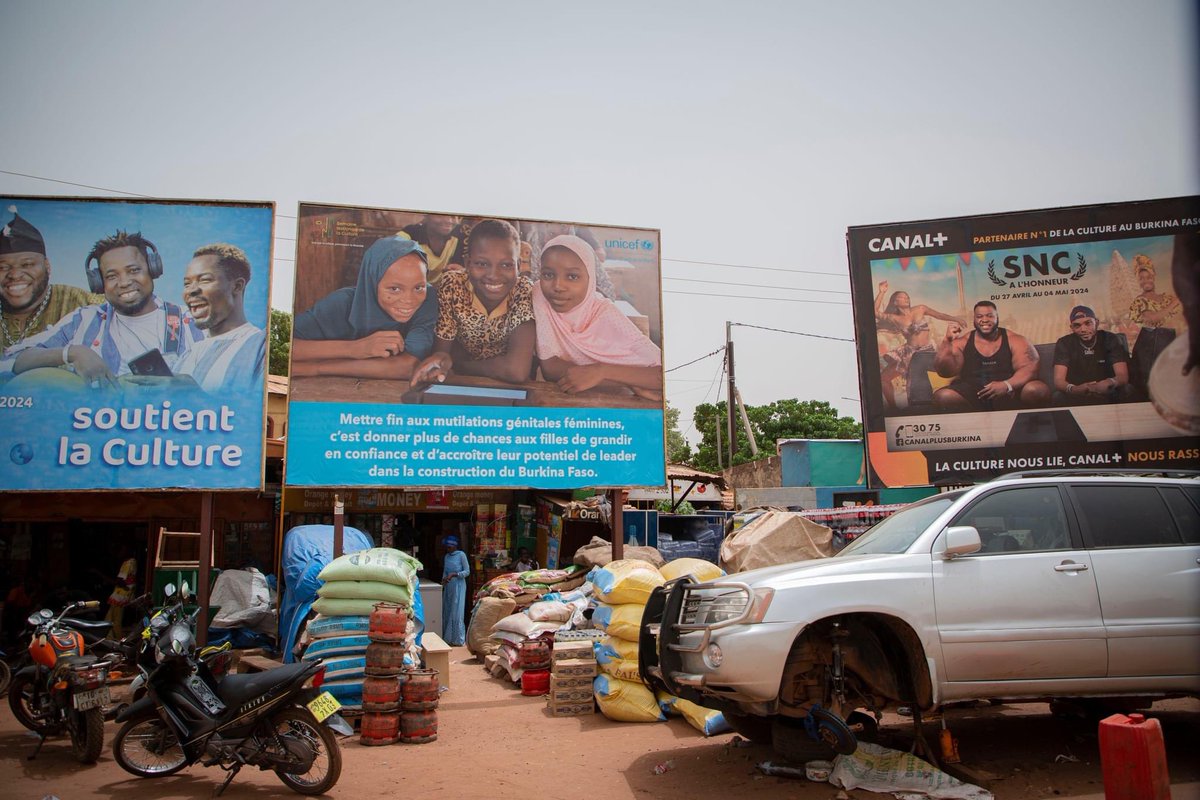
[883, 287]
[91, 367]
[380, 344]
[432, 370]
[954, 330]
[580, 379]
[993, 389]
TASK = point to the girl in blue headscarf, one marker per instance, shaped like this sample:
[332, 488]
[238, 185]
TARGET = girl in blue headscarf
[380, 328]
[455, 570]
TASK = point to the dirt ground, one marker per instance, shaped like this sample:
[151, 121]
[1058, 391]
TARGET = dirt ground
[492, 741]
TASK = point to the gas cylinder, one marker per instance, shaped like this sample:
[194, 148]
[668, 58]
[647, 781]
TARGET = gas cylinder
[1133, 759]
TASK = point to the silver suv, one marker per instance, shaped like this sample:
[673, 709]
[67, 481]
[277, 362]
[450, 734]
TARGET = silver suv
[1033, 587]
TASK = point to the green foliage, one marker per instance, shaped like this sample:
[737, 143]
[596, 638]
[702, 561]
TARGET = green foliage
[664, 507]
[281, 342]
[783, 419]
[678, 450]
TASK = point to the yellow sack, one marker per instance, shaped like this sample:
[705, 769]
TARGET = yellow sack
[626, 701]
[623, 621]
[698, 568]
[706, 720]
[626, 581]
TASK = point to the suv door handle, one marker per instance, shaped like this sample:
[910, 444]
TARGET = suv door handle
[1070, 566]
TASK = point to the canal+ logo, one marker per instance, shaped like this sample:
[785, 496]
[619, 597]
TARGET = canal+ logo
[628, 244]
[917, 240]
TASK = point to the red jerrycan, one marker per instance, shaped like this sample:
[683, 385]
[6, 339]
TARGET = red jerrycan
[1133, 759]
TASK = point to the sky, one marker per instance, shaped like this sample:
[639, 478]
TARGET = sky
[752, 135]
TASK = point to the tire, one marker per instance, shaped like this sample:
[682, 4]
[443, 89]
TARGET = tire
[319, 779]
[20, 699]
[87, 735]
[148, 749]
[5, 676]
[756, 729]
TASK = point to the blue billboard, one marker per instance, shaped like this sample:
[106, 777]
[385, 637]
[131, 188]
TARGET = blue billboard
[134, 343]
[443, 350]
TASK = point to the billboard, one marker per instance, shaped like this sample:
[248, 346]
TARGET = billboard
[442, 350]
[134, 343]
[1055, 339]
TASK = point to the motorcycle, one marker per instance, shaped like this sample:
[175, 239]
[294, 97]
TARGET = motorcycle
[276, 720]
[64, 688]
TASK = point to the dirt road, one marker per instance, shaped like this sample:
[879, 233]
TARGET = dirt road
[493, 742]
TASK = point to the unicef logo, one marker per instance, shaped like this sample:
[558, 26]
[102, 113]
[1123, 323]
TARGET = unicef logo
[21, 453]
[647, 244]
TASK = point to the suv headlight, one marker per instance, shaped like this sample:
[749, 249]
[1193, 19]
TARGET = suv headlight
[721, 604]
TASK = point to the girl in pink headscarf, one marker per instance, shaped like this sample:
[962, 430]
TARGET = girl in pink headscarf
[583, 340]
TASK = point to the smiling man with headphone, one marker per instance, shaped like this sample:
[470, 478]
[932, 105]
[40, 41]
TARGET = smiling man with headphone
[99, 342]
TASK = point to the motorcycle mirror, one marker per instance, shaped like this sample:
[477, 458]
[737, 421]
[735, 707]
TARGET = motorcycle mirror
[169, 590]
[185, 592]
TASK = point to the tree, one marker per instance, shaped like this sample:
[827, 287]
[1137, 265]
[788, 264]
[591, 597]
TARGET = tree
[678, 450]
[281, 342]
[783, 419]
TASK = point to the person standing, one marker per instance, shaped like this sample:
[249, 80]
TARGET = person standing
[122, 593]
[455, 570]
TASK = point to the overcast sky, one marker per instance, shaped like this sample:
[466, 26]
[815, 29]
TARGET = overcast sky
[751, 134]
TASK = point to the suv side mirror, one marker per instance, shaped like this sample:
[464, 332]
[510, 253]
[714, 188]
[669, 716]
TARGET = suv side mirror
[961, 540]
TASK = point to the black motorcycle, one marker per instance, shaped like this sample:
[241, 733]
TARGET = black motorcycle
[275, 720]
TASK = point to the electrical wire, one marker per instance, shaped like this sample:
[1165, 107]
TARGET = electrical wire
[720, 349]
[793, 333]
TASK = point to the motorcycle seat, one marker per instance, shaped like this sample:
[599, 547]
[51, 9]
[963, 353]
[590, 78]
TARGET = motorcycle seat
[96, 627]
[236, 689]
[74, 662]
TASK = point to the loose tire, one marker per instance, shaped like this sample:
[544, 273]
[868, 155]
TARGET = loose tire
[21, 695]
[327, 761]
[87, 735]
[790, 738]
[147, 748]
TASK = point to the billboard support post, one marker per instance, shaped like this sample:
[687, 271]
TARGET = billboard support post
[339, 513]
[205, 558]
[617, 497]
[730, 420]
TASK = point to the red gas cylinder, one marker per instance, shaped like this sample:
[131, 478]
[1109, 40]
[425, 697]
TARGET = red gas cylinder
[379, 728]
[419, 690]
[418, 727]
[381, 693]
[535, 682]
[387, 623]
[1133, 759]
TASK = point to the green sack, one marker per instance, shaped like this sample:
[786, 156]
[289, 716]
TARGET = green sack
[376, 591]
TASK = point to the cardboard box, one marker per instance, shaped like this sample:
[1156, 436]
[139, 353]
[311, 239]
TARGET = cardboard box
[564, 651]
[569, 681]
[573, 694]
[575, 667]
[571, 709]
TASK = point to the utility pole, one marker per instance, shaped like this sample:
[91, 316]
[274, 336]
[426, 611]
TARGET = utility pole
[730, 419]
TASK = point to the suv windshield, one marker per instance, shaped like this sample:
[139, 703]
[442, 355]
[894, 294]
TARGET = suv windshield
[897, 533]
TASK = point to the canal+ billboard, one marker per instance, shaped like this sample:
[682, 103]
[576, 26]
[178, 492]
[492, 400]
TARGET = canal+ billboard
[1054, 339]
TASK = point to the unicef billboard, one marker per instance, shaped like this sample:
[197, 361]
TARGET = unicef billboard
[133, 338]
[439, 349]
[1057, 339]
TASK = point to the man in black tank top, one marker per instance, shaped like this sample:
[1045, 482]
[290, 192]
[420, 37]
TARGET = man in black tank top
[993, 368]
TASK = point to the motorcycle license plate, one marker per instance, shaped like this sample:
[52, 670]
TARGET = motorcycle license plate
[90, 699]
[324, 705]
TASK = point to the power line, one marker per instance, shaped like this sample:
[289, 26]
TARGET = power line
[755, 285]
[794, 333]
[751, 266]
[71, 183]
[755, 297]
[694, 360]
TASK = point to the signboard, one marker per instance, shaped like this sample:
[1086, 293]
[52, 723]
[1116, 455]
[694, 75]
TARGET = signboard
[449, 351]
[1052, 339]
[134, 343]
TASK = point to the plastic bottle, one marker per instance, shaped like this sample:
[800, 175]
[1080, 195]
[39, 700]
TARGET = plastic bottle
[780, 771]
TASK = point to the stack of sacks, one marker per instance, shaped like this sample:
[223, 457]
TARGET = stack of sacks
[542, 618]
[623, 587]
[706, 720]
[353, 584]
[526, 588]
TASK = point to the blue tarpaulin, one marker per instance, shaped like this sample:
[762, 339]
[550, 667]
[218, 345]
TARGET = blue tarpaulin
[306, 551]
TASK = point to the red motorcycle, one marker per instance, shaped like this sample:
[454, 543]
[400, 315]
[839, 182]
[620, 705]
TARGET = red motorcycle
[64, 689]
